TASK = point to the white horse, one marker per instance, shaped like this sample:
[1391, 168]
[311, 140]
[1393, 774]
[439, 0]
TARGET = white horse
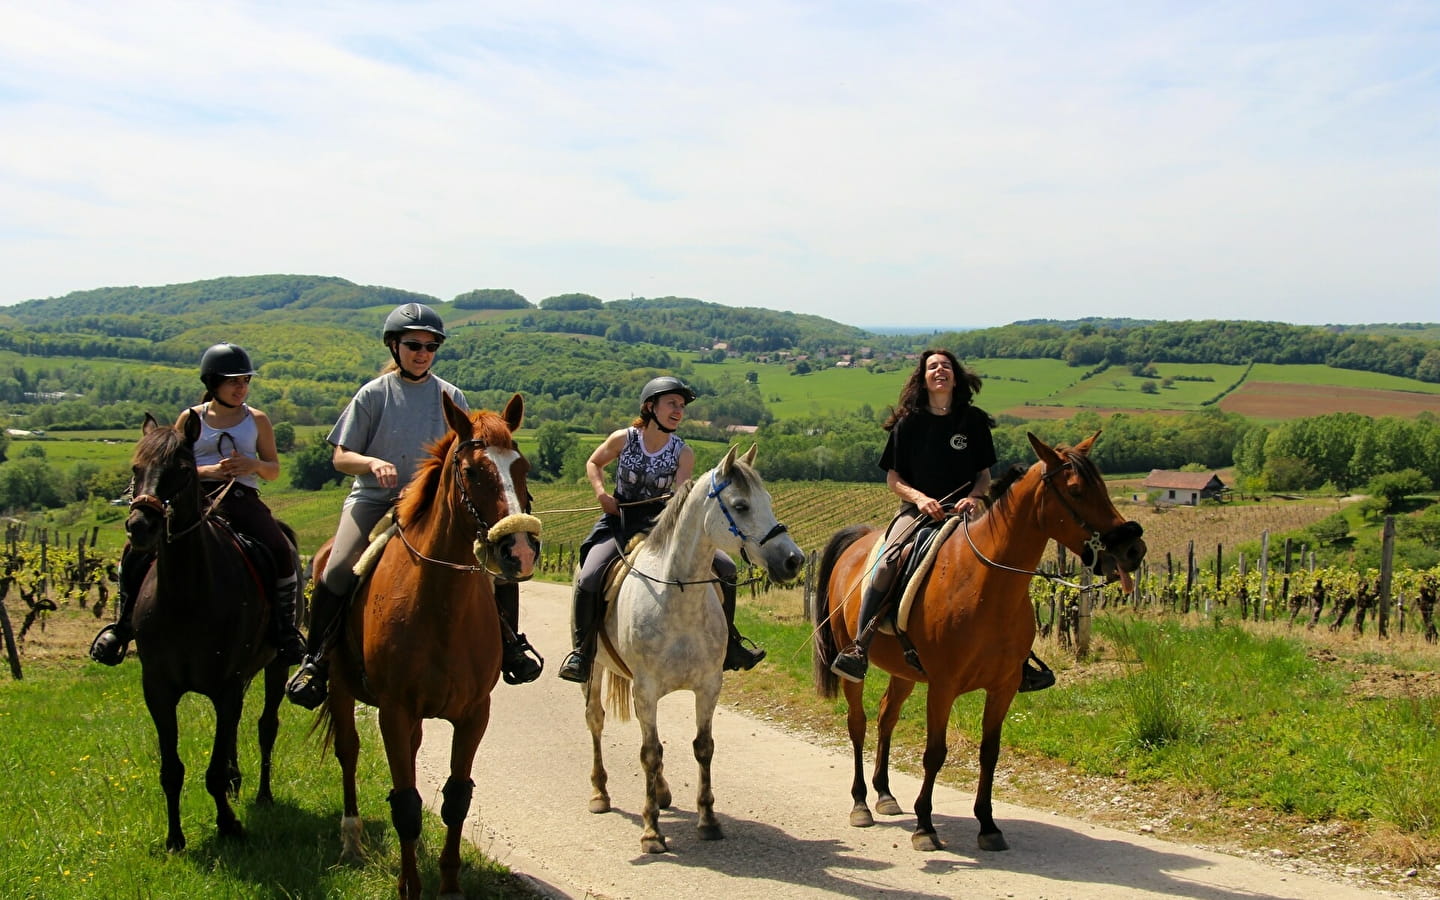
[666, 631]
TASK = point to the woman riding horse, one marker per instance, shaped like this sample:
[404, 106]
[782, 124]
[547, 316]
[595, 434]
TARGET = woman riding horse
[939, 445]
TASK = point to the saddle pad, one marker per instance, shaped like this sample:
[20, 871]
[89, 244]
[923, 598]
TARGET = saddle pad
[922, 569]
[379, 537]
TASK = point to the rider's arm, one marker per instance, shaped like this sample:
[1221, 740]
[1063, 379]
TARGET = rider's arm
[604, 455]
[685, 466]
[921, 501]
[352, 462]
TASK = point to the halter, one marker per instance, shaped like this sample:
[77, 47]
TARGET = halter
[715, 488]
[165, 508]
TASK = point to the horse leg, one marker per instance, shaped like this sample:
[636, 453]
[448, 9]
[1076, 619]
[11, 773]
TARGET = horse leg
[652, 754]
[457, 791]
[222, 776]
[994, 719]
[896, 693]
[937, 720]
[595, 719]
[855, 723]
[172, 770]
[269, 726]
[346, 743]
[704, 744]
[401, 733]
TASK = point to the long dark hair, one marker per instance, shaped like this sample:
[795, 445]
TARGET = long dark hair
[913, 395]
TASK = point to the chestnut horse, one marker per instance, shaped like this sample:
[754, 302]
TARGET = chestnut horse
[666, 630]
[971, 620]
[421, 636]
[200, 621]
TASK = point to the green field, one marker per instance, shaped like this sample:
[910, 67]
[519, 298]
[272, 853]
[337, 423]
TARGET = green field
[1328, 375]
[1116, 388]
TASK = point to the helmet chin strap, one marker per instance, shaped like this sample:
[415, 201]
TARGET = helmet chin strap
[404, 372]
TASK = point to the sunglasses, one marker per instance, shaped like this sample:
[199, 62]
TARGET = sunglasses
[416, 346]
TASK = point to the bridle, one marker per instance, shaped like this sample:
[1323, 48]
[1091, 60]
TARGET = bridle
[165, 507]
[486, 535]
[1095, 543]
[716, 488]
[714, 493]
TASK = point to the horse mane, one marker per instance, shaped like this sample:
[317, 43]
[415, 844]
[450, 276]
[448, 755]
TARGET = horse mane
[664, 525]
[424, 485]
[159, 444]
[741, 475]
[1084, 467]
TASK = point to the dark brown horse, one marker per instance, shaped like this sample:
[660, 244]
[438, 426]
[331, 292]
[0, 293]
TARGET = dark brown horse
[971, 620]
[421, 638]
[200, 621]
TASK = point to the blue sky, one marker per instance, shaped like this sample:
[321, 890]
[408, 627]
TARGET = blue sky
[946, 163]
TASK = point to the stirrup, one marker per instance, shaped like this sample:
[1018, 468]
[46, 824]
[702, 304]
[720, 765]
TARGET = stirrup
[1035, 677]
[520, 663]
[850, 664]
[105, 651]
[308, 687]
[576, 667]
[738, 657]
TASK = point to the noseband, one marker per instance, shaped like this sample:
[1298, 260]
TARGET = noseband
[487, 536]
[1098, 541]
[715, 488]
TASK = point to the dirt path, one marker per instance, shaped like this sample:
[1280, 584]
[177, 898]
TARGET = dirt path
[783, 803]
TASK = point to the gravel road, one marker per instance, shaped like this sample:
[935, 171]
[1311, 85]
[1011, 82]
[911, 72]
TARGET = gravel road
[783, 803]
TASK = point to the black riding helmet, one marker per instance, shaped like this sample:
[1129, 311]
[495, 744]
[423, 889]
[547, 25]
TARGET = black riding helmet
[222, 361]
[665, 384]
[410, 317]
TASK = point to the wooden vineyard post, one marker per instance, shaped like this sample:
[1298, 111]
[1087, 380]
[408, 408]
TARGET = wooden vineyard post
[1264, 566]
[1082, 627]
[1387, 566]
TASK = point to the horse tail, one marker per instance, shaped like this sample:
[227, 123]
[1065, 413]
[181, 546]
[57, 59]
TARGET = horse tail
[827, 683]
[617, 695]
[324, 724]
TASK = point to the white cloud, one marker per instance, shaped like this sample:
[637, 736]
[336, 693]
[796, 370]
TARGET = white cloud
[915, 163]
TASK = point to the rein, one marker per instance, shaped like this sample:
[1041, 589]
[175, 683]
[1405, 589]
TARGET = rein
[166, 509]
[714, 494]
[483, 529]
[1095, 543]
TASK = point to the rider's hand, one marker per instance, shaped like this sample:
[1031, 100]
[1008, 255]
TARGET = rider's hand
[609, 504]
[931, 507]
[384, 473]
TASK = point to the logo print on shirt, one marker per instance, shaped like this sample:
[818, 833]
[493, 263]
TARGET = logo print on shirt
[958, 442]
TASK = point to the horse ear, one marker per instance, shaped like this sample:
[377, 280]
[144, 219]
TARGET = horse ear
[749, 457]
[515, 412]
[1048, 456]
[150, 424]
[192, 426]
[1083, 448]
[727, 462]
[459, 422]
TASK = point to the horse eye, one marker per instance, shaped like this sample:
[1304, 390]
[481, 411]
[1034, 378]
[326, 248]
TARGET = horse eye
[742, 506]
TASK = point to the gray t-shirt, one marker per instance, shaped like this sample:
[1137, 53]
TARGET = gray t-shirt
[393, 419]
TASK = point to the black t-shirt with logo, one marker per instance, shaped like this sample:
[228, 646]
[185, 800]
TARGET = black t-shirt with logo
[939, 454]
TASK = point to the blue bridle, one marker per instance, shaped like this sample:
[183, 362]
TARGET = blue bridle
[715, 489]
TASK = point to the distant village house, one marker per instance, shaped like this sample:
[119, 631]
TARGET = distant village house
[1184, 488]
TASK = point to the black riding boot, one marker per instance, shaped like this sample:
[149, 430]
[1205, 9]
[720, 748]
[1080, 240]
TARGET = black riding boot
[112, 643]
[309, 686]
[851, 662]
[737, 655]
[1035, 676]
[519, 662]
[289, 642]
[585, 622]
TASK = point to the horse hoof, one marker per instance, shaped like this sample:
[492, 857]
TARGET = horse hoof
[710, 833]
[926, 841]
[233, 831]
[653, 845]
[994, 840]
[599, 804]
[860, 816]
[886, 806]
[175, 844]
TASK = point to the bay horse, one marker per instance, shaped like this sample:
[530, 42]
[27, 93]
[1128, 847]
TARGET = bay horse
[971, 620]
[200, 621]
[420, 638]
[666, 630]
